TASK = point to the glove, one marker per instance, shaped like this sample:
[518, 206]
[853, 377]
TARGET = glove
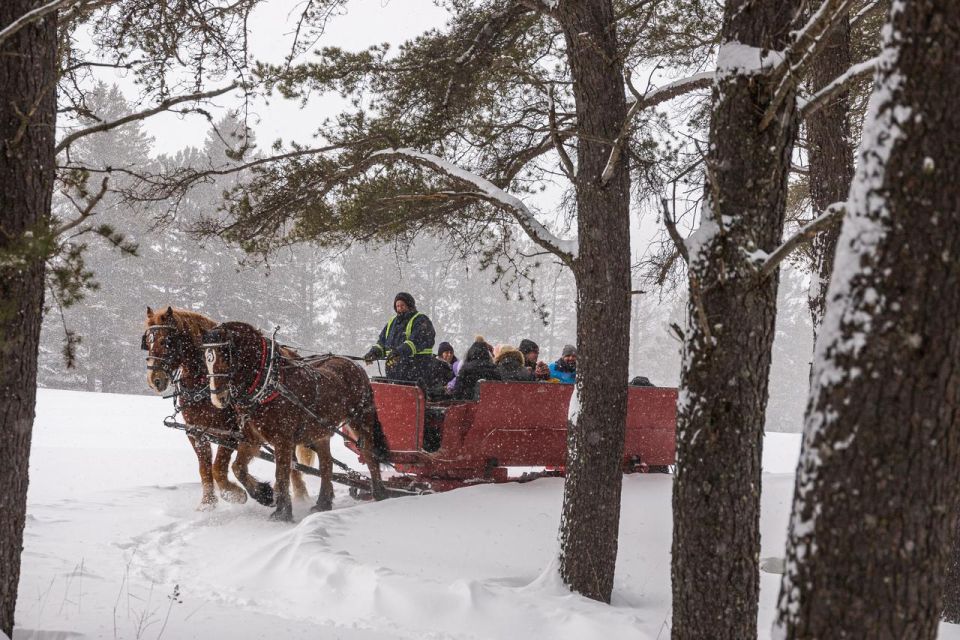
[371, 355]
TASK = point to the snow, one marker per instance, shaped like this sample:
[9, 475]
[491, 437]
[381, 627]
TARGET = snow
[114, 548]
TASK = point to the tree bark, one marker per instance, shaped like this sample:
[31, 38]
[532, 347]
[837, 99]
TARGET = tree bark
[876, 501]
[728, 342]
[27, 119]
[591, 501]
[830, 157]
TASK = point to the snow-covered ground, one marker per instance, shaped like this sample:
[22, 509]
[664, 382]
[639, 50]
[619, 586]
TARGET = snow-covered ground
[115, 549]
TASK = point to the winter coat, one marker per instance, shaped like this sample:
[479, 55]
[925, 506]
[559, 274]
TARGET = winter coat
[563, 373]
[407, 343]
[510, 364]
[478, 366]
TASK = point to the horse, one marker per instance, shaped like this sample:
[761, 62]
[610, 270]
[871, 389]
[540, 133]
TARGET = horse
[171, 339]
[291, 400]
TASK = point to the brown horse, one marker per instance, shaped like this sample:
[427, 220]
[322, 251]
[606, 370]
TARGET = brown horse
[289, 401]
[172, 341]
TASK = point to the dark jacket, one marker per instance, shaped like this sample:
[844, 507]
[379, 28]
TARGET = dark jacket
[477, 366]
[409, 353]
[511, 368]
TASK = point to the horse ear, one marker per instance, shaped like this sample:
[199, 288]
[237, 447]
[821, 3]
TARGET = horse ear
[149, 311]
[168, 314]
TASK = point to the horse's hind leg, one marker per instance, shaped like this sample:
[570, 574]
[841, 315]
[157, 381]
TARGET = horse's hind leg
[228, 490]
[305, 457]
[205, 458]
[283, 458]
[262, 492]
[325, 464]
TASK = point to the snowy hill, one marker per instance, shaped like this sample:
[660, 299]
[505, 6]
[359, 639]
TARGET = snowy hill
[115, 549]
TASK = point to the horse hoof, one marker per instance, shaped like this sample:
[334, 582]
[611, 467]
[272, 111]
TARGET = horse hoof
[320, 507]
[301, 497]
[264, 494]
[282, 515]
[207, 504]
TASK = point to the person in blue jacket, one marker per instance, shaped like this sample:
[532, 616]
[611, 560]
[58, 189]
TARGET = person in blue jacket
[406, 343]
[565, 369]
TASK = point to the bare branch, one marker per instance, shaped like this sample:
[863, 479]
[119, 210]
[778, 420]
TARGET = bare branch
[565, 161]
[674, 233]
[657, 96]
[808, 232]
[141, 115]
[836, 86]
[86, 211]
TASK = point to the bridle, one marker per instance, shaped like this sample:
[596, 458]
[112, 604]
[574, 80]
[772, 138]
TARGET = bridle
[264, 387]
[166, 361]
[170, 365]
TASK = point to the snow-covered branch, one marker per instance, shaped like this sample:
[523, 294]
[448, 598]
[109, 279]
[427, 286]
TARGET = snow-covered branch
[564, 249]
[33, 15]
[807, 42]
[836, 86]
[824, 220]
[141, 115]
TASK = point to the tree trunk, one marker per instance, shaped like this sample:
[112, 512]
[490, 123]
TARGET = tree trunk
[876, 501]
[831, 159]
[27, 119]
[727, 349]
[591, 500]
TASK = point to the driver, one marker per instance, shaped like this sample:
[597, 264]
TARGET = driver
[406, 342]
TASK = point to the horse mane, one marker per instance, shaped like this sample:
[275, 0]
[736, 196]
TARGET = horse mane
[190, 322]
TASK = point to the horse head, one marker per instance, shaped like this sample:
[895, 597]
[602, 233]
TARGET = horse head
[171, 339]
[234, 353]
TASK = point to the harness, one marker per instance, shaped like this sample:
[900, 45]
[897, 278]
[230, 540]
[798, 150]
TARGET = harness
[407, 331]
[182, 395]
[265, 386]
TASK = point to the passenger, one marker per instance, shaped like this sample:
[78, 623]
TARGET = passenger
[477, 366]
[565, 369]
[406, 342]
[445, 353]
[641, 381]
[531, 353]
[443, 374]
[510, 364]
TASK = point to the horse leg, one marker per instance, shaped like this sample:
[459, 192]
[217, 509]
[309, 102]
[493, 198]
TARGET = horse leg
[262, 492]
[228, 490]
[205, 458]
[370, 427]
[325, 464]
[305, 457]
[283, 458]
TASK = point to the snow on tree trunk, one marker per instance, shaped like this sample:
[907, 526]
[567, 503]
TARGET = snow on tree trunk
[591, 501]
[876, 495]
[27, 121]
[830, 158]
[727, 348]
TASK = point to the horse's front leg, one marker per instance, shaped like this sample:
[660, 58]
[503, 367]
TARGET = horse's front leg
[228, 490]
[205, 459]
[262, 492]
[283, 458]
[325, 464]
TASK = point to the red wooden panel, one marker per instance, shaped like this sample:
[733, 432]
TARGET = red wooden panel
[520, 423]
[401, 411]
[651, 425]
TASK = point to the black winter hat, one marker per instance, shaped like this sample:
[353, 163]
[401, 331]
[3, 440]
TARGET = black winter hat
[406, 297]
[444, 347]
[528, 346]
